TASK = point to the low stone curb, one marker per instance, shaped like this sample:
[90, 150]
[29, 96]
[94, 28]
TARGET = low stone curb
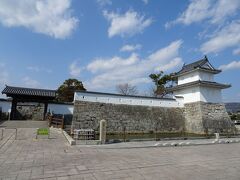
[194, 144]
[88, 142]
[165, 144]
[70, 140]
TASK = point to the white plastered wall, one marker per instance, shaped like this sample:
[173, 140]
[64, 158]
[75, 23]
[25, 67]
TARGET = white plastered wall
[60, 108]
[117, 99]
[195, 76]
[190, 77]
[189, 94]
[6, 106]
[213, 95]
[204, 94]
[205, 76]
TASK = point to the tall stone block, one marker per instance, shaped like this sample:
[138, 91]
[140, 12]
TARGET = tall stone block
[103, 131]
[193, 118]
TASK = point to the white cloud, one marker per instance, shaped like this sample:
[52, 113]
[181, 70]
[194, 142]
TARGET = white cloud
[224, 9]
[228, 36]
[236, 51]
[230, 66]
[104, 2]
[145, 1]
[39, 69]
[4, 76]
[137, 71]
[29, 82]
[49, 17]
[33, 68]
[196, 11]
[215, 11]
[127, 24]
[101, 64]
[174, 63]
[74, 69]
[129, 47]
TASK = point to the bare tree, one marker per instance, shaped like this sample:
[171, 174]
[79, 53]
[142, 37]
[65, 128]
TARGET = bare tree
[126, 89]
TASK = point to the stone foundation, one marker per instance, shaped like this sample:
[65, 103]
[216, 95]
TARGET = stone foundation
[198, 117]
[136, 119]
[203, 117]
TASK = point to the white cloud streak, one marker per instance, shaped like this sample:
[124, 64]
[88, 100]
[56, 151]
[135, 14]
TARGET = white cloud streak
[236, 51]
[104, 2]
[127, 24]
[231, 66]
[228, 36]
[49, 17]
[214, 11]
[129, 47]
[29, 82]
[101, 64]
[4, 76]
[145, 1]
[74, 69]
[133, 70]
[39, 69]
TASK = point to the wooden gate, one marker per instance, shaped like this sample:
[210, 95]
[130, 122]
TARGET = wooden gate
[55, 122]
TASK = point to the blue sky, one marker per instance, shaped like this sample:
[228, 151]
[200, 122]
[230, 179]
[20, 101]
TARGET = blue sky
[108, 42]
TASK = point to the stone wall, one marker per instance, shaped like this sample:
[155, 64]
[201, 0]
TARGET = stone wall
[134, 118]
[201, 117]
[30, 111]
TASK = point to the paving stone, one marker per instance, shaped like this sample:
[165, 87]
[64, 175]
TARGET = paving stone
[46, 159]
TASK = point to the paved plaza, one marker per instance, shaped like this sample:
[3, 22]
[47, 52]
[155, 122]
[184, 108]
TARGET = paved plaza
[42, 158]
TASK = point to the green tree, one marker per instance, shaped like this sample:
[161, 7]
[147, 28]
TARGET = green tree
[161, 81]
[65, 93]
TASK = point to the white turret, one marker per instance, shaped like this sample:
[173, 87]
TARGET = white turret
[196, 83]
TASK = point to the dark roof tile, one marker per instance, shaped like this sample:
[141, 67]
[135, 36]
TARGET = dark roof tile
[28, 91]
[198, 64]
[199, 82]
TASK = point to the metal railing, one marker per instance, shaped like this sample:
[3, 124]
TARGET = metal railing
[83, 134]
[15, 133]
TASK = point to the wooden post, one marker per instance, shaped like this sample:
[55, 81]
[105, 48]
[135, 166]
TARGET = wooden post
[50, 120]
[45, 110]
[124, 133]
[62, 125]
[103, 131]
[13, 109]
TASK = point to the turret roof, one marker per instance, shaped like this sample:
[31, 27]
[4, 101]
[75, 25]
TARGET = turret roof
[202, 64]
[199, 83]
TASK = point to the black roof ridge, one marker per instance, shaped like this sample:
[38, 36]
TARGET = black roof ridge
[197, 65]
[196, 62]
[23, 91]
[115, 94]
[41, 89]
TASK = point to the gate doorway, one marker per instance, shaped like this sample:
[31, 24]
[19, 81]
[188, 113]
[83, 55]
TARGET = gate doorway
[29, 99]
[30, 111]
